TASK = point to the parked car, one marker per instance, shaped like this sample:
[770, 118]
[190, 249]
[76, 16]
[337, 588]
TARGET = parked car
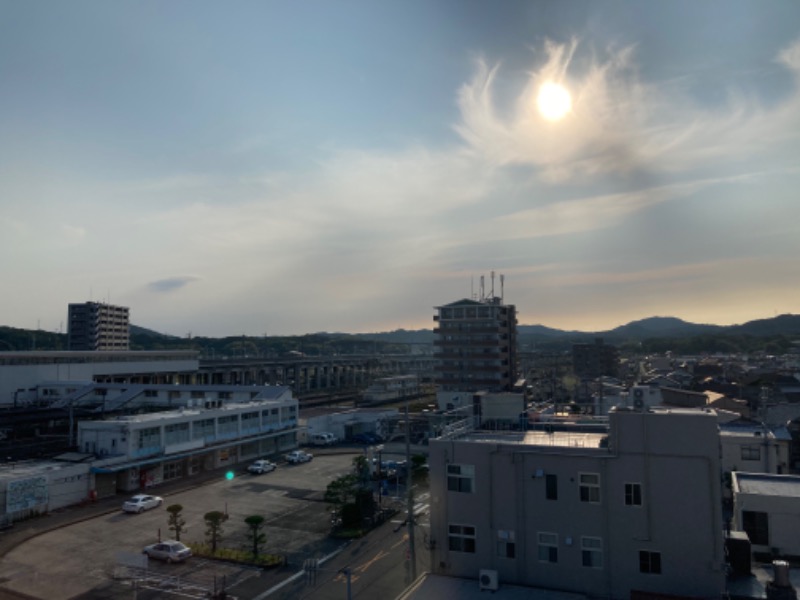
[298, 456]
[262, 466]
[367, 438]
[141, 503]
[323, 439]
[170, 551]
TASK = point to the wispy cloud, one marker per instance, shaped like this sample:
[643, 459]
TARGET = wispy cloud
[170, 284]
[620, 123]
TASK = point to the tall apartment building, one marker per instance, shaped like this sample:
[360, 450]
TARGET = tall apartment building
[97, 326]
[475, 346]
[595, 360]
[633, 513]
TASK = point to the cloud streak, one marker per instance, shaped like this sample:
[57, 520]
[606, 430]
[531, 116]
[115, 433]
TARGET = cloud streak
[171, 284]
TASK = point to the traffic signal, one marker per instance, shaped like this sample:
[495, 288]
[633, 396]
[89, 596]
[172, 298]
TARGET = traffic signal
[229, 475]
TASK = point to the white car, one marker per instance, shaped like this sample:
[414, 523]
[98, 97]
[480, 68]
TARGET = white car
[298, 456]
[169, 550]
[262, 466]
[141, 503]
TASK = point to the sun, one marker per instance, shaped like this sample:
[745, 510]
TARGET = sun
[554, 101]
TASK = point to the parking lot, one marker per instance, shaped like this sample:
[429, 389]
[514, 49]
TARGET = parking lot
[74, 559]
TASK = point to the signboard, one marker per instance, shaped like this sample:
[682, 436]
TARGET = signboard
[24, 494]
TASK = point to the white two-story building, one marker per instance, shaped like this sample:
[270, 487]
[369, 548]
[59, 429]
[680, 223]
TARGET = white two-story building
[142, 450]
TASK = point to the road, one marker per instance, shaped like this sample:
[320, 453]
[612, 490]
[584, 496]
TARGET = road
[90, 560]
[378, 564]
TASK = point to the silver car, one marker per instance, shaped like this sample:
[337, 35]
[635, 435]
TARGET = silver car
[141, 503]
[170, 551]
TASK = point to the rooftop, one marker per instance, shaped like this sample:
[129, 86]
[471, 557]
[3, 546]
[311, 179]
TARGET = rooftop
[574, 438]
[787, 486]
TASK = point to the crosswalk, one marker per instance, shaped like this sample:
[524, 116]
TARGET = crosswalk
[421, 507]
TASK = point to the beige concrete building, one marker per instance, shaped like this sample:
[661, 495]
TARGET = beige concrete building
[98, 326]
[636, 510]
[475, 348]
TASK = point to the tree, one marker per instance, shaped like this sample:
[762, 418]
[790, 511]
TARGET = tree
[175, 521]
[214, 521]
[361, 469]
[255, 523]
[342, 490]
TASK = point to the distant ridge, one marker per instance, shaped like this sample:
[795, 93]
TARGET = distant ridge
[652, 327]
[777, 333]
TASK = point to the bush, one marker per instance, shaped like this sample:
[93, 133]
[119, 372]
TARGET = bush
[238, 556]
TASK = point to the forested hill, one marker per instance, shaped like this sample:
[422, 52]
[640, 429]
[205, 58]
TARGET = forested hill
[656, 334]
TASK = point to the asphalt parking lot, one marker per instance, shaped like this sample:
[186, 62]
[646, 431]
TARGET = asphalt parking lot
[72, 560]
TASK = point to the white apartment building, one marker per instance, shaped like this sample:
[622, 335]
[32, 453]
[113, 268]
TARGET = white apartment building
[754, 448]
[635, 511]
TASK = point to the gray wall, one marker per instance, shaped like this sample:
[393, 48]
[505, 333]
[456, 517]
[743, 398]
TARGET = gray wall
[675, 458]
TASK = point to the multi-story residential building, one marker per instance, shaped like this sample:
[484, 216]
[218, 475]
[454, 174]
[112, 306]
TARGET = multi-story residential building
[619, 515]
[475, 348]
[595, 360]
[98, 326]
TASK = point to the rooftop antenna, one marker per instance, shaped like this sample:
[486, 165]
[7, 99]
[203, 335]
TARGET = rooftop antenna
[502, 284]
[482, 289]
[492, 285]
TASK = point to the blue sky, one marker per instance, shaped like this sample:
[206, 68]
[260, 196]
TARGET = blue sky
[290, 167]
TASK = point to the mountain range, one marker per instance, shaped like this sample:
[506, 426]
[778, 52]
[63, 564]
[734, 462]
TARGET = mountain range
[655, 334]
[644, 329]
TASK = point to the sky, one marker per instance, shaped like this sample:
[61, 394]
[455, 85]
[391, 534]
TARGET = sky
[282, 168]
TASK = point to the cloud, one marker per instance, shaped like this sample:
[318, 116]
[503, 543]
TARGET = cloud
[170, 284]
[620, 123]
[73, 233]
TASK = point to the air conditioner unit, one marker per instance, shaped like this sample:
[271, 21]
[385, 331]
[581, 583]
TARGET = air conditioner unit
[488, 580]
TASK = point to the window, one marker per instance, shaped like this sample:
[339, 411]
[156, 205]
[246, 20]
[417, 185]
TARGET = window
[203, 428]
[228, 425]
[173, 470]
[176, 433]
[633, 494]
[751, 453]
[548, 547]
[505, 544]
[589, 487]
[649, 562]
[592, 552]
[461, 478]
[756, 525]
[148, 438]
[551, 487]
[461, 538]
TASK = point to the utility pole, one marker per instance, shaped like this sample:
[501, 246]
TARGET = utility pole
[412, 556]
